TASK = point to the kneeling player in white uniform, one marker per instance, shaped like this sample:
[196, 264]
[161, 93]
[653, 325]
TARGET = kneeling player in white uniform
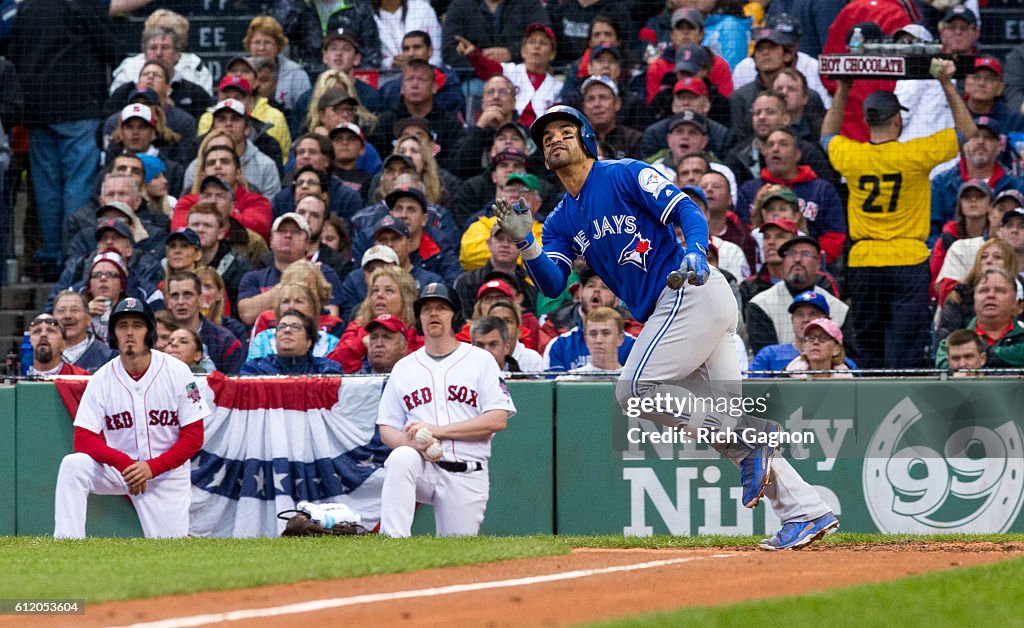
[139, 423]
[440, 409]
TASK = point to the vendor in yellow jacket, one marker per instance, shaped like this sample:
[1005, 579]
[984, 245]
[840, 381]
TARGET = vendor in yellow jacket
[473, 252]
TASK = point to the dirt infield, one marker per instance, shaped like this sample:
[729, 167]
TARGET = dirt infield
[684, 578]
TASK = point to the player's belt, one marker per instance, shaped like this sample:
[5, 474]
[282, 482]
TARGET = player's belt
[460, 467]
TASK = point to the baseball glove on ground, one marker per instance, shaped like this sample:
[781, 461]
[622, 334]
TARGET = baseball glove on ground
[300, 524]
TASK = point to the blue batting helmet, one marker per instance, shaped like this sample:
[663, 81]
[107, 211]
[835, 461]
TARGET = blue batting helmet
[560, 112]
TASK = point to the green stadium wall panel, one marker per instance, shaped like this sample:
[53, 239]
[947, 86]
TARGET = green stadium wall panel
[521, 468]
[44, 436]
[8, 459]
[888, 456]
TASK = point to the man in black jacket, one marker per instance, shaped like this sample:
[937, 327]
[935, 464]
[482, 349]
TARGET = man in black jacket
[768, 115]
[62, 49]
[496, 27]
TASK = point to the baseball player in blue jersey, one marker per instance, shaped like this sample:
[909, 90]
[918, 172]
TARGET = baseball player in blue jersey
[621, 217]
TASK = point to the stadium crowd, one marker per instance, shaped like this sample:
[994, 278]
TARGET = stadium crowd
[281, 217]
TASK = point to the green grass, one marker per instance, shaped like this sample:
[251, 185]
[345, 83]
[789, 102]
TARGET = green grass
[986, 595]
[39, 567]
[99, 570]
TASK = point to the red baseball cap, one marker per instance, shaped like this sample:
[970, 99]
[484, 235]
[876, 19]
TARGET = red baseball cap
[496, 284]
[691, 84]
[232, 81]
[537, 26]
[989, 63]
[782, 223]
[388, 322]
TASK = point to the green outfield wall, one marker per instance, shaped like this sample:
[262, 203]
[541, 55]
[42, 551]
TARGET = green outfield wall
[887, 455]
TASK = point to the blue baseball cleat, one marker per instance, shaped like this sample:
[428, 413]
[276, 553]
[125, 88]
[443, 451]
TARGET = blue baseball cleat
[756, 470]
[797, 534]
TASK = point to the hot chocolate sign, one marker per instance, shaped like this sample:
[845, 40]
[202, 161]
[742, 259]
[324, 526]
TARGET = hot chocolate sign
[863, 66]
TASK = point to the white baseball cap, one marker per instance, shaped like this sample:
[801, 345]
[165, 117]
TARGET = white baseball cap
[298, 219]
[138, 110]
[230, 103]
[379, 252]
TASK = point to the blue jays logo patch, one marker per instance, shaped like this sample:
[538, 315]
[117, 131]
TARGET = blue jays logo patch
[636, 252]
[651, 181]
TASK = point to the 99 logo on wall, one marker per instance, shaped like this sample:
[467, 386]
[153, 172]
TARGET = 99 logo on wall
[974, 484]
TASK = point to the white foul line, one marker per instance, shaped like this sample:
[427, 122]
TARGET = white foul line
[337, 602]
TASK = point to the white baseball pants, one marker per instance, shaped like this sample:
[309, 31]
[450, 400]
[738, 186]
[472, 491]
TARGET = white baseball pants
[162, 509]
[459, 499]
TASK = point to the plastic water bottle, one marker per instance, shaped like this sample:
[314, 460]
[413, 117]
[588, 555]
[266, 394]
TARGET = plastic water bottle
[857, 41]
[26, 355]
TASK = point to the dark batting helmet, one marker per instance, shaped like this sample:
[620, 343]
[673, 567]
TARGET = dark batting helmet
[443, 293]
[561, 112]
[131, 305]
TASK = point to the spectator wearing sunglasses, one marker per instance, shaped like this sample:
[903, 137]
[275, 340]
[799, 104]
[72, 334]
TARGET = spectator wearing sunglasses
[48, 337]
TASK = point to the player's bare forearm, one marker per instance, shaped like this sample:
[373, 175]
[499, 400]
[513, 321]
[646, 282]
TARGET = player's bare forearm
[394, 438]
[475, 429]
[833, 121]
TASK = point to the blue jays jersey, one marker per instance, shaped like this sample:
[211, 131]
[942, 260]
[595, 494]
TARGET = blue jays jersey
[623, 223]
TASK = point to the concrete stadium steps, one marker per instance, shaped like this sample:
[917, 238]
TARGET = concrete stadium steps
[24, 296]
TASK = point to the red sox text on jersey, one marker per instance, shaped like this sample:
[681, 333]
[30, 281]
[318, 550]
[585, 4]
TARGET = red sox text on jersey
[462, 394]
[125, 420]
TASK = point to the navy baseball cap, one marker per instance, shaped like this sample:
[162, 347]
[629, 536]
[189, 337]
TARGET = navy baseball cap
[961, 12]
[390, 223]
[1016, 212]
[406, 192]
[603, 48]
[810, 297]
[691, 58]
[186, 234]
[117, 225]
[773, 35]
[147, 95]
[880, 106]
[786, 24]
[988, 123]
[689, 117]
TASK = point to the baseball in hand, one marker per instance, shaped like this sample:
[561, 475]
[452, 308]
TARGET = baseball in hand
[423, 436]
[434, 452]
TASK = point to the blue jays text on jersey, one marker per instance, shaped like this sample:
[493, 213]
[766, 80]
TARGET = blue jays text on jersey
[623, 223]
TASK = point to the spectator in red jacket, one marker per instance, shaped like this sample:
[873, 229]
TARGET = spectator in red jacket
[223, 185]
[391, 291]
[687, 32]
